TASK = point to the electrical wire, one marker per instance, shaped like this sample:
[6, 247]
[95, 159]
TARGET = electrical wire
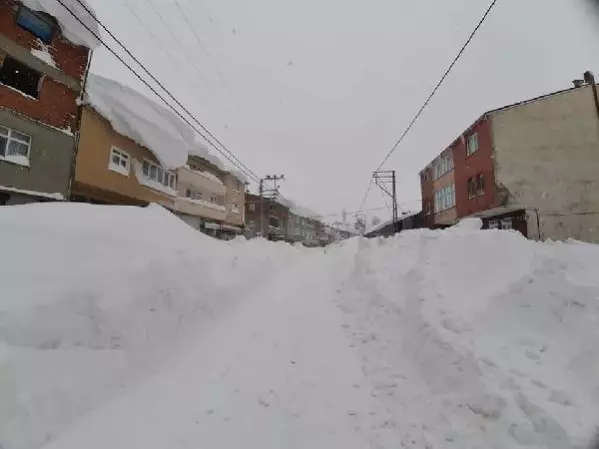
[432, 94]
[226, 153]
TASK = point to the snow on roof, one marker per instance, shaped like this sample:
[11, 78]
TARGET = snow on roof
[200, 150]
[69, 25]
[388, 222]
[134, 115]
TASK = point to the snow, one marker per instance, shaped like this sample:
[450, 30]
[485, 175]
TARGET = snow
[134, 115]
[52, 196]
[203, 203]
[43, 53]
[141, 332]
[71, 28]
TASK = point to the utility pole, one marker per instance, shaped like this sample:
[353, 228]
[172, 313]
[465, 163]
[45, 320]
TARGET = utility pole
[384, 178]
[269, 190]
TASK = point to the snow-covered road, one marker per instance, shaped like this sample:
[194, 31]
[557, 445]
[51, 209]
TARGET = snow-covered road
[276, 372]
[187, 342]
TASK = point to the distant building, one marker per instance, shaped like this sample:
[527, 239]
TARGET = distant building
[414, 220]
[266, 218]
[41, 77]
[530, 166]
[210, 199]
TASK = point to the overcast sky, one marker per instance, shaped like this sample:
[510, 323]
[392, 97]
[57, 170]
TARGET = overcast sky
[320, 90]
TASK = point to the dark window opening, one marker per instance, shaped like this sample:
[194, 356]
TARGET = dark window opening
[37, 23]
[20, 77]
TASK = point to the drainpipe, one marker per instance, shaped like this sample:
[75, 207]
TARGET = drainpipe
[81, 99]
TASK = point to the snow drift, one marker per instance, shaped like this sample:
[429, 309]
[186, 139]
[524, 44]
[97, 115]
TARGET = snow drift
[123, 327]
[71, 28]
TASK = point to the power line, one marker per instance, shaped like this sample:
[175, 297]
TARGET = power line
[432, 94]
[232, 158]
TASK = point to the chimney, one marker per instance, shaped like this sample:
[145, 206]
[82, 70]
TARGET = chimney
[578, 83]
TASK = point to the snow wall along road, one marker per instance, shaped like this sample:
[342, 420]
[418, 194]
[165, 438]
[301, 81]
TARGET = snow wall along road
[462, 338]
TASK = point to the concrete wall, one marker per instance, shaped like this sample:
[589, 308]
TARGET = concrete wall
[50, 157]
[547, 157]
[94, 180]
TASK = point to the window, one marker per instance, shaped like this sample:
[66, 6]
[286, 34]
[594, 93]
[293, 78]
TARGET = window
[472, 145]
[235, 208]
[506, 223]
[476, 186]
[20, 77]
[444, 164]
[193, 194]
[158, 174]
[238, 186]
[37, 23]
[214, 200]
[445, 198]
[252, 207]
[493, 224]
[119, 162]
[14, 146]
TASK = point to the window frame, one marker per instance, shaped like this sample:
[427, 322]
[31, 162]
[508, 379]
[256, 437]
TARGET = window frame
[40, 16]
[23, 67]
[472, 138]
[164, 177]
[122, 155]
[252, 207]
[14, 159]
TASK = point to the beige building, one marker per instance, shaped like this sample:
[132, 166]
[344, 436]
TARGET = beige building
[210, 199]
[113, 169]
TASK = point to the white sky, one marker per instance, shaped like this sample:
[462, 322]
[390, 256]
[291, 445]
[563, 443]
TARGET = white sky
[321, 89]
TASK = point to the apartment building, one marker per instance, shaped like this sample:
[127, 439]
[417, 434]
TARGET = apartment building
[114, 169]
[42, 68]
[266, 217]
[530, 166]
[210, 199]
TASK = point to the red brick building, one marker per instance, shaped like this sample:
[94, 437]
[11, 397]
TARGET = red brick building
[530, 166]
[265, 217]
[41, 77]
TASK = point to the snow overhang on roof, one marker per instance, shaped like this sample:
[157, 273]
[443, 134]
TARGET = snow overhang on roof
[70, 27]
[134, 115]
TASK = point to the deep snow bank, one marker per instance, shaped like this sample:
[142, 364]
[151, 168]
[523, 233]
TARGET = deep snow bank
[477, 338]
[93, 298]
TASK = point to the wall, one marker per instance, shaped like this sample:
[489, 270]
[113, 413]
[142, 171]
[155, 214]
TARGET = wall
[50, 157]
[428, 195]
[547, 158]
[235, 195]
[59, 87]
[93, 178]
[466, 167]
[188, 178]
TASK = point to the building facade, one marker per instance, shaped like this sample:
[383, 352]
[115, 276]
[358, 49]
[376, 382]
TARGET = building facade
[529, 166]
[210, 199]
[41, 77]
[266, 218]
[113, 169]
